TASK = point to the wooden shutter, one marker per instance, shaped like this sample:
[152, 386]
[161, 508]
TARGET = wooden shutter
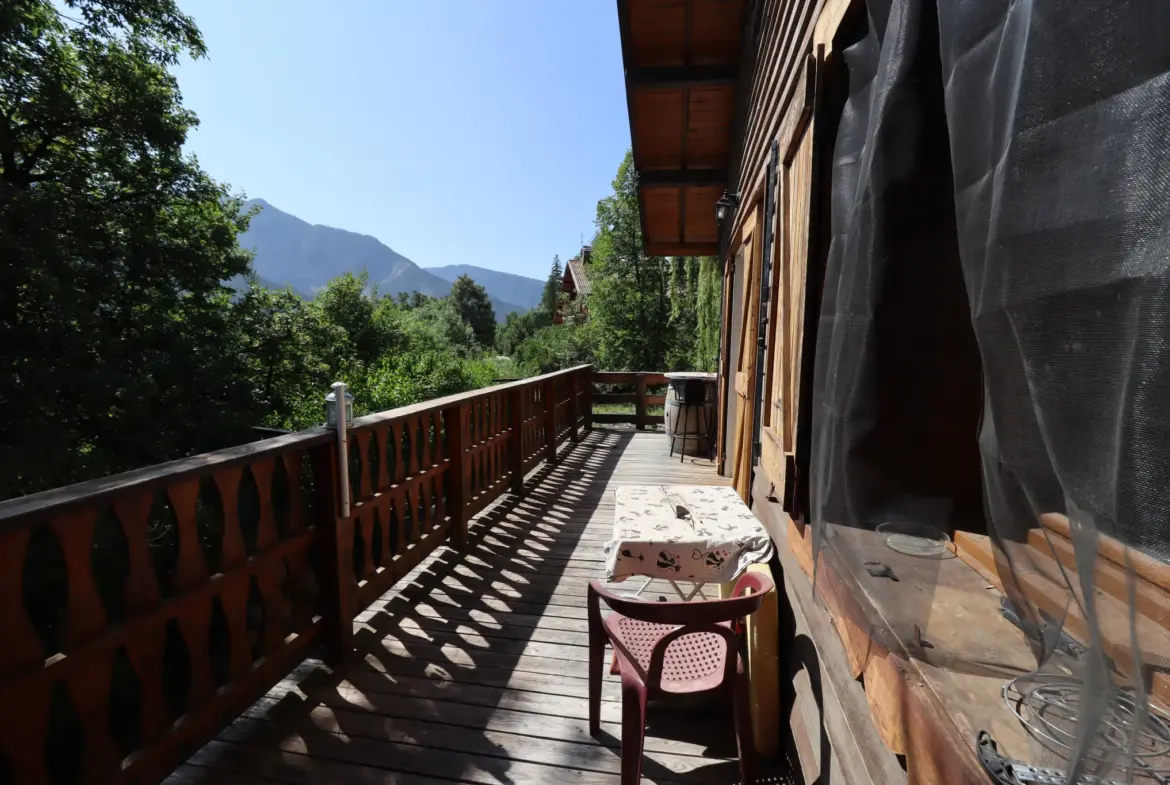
[778, 442]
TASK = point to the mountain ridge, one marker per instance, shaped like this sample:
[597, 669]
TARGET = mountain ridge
[519, 289]
[289, 251]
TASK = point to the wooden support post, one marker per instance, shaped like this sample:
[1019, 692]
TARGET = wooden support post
[516, 440]
[640, 405]
[456, 420]
[333, 554]
[574, 391]
[550, 421]
[588, 399]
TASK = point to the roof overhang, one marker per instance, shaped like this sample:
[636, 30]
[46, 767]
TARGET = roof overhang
[681, 62]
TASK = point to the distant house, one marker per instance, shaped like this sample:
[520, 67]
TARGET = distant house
[575, 284]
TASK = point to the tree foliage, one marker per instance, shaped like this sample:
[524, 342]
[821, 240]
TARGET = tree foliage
[552, 287]
[643, 313]
[114, 321]
[475, 309]
[708, 312]
[629, 306]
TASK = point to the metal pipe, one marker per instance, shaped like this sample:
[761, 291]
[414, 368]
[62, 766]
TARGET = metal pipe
[342, 448]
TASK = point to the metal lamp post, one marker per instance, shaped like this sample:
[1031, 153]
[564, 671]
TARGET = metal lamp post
[339, 418]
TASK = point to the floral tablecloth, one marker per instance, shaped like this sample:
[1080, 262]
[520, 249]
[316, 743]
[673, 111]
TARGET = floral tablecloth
[714, 542]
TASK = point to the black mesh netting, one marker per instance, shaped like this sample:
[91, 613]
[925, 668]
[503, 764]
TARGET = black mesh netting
[994, 340]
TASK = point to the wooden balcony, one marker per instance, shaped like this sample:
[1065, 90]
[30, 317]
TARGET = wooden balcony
[217, 620]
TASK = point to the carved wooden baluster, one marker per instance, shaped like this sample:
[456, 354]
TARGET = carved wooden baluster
[234, 594]
[24, 712]
[441, 480]
[333, 555]
[406, 516]
[145, 648]
[362, 439]
[193, 615]
[573, 408]
[275, 607]
[486, 452]
[366, 521]
[266, 535]
[190, 570]
[458, 479]
[412, 429]
[385, 470]
[425, 435]
[398, 515]
[85, 618]
[515, 441]
[142, 591]
[399, 472]
[194, 619]
[296, 502]
[385, 506]
[550, 426]
[495, 431]
[587, 385]
[227, 482]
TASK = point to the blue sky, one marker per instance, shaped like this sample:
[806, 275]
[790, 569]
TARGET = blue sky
[468, 131]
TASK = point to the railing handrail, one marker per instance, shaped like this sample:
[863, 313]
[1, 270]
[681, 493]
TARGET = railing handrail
[16, 512]
[446, 402]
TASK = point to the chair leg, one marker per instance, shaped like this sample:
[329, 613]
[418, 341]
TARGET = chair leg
[743, 726]
[686, 415]
[633, 731]
[596, 666]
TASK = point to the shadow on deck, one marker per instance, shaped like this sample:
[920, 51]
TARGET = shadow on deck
[473, 669]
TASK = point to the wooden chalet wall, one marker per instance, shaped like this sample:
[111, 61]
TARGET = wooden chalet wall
[780, 166]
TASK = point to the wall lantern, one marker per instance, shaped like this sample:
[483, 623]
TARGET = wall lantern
[726, 203]
[331, 405]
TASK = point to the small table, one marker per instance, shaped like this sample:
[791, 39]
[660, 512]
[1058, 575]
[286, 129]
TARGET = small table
[715, 540]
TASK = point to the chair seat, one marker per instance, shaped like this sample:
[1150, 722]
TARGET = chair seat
[693, 663]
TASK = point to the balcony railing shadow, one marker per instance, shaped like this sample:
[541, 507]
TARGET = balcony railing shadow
[473, 667]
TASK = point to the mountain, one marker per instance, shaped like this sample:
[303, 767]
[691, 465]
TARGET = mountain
[305, 256]
[518, 289]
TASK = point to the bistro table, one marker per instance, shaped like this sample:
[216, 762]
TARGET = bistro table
[690, 533]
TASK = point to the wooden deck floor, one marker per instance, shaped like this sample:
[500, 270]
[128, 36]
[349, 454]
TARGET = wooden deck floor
[473, 670]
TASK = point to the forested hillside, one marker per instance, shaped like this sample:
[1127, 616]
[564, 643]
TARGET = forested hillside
[121, 341]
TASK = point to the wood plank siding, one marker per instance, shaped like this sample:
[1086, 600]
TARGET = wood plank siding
[783, 34]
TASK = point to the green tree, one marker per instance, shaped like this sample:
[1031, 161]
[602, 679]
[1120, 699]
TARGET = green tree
[708, 312]
[552, 287]
[557, 346]
[475, 309]
[348, 302]
[682, 290]
[293, 353]
[113, 314]
[629, 306]
[519, 327]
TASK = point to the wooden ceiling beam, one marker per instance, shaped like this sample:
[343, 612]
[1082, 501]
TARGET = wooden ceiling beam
[682, 178]
[681, 76]
[681, 249]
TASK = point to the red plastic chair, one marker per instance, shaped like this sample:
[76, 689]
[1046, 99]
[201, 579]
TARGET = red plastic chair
[671, 648]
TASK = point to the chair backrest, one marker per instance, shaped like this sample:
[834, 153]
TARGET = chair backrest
[745, 599]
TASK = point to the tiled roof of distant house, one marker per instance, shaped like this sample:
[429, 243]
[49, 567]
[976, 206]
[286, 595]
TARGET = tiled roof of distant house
[576, 268]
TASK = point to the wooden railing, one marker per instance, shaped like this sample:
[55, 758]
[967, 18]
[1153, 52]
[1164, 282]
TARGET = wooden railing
[141, 612]
[633, 388]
